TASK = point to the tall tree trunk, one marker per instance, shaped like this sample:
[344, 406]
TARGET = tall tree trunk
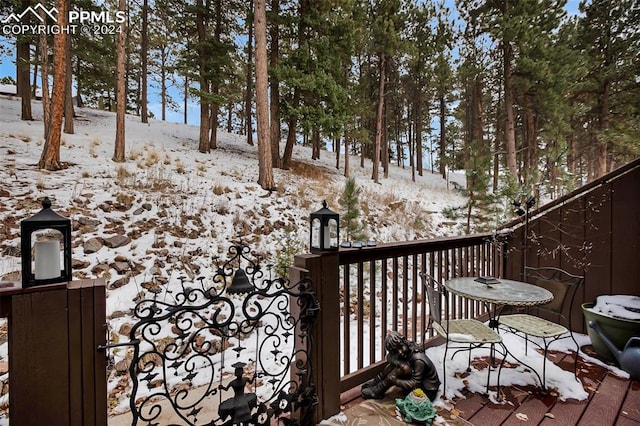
[265, 165]
[379, 119]
[603, 124]
[416, 159]
[215, 121]
[44, 71]
[274, 86]
[163, 85]
[23, 67]
[68, 92]
[34, 84]
[291, 135]
[531, 136]
[384, 144]
[315, 143]
[144, 51]
[347, 142]
[79, 87]
[215, 83]
[205, 110]
[121, 95]
[497, 148]
[249, 91]
[478, 117]
[50, 158]
[443, 135]
[230, 117]
[293, 121]
[509, 131]
[186, 100]
[413, 138]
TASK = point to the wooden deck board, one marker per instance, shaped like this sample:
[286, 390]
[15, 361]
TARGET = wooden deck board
[605, 405]
[631, 406]
[625, 421]
[490, 414]
[471, 405]
[532, 410]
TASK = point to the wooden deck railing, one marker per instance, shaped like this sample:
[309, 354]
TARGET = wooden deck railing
[380, 290]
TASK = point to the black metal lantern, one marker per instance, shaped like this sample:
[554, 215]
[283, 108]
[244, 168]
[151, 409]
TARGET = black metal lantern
[41, 237]
[325, 230]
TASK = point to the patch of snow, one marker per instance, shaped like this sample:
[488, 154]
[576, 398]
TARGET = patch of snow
[618, 306]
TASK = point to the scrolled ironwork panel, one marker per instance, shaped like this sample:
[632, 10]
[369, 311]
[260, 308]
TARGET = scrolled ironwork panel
[188, 335]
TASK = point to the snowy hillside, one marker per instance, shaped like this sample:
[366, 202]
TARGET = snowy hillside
[167, 194]
[169, 210]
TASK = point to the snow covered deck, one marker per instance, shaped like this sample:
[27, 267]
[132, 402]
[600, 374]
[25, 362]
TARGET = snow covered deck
[612, 400]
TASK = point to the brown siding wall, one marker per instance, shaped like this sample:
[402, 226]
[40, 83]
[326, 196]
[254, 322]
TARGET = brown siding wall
[594, 231]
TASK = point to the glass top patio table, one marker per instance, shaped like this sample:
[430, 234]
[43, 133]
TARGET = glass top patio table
[500, 292]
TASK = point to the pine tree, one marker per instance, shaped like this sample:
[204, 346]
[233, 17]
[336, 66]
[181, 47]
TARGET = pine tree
[609, 33]
[349, 201]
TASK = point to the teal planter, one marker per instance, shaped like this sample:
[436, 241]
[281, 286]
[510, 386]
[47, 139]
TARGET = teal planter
[618, 330]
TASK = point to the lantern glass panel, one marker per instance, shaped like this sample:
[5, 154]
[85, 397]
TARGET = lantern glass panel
[47, 254]
[332, 234]
[315, 233]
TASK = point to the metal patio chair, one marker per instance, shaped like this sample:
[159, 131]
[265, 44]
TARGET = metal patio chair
[564, 287]
[459, 334]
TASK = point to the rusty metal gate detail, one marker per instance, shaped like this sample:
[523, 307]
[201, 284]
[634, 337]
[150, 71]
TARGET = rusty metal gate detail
[187, 334]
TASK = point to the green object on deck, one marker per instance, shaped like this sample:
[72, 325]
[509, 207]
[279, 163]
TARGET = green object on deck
[618, 330]
[416, 407]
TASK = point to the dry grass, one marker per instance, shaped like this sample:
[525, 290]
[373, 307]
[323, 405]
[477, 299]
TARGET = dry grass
[180, 168]
[220, 189]
[153, 158]
[134, 154]
[122, 176]
[309, 171]
[95, 143]
[126, 200]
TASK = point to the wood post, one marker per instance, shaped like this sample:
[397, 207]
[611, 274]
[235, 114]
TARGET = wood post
[323, 271]
[56, 374]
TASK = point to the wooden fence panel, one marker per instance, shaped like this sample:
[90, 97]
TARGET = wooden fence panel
[598, 236]
[625, 234]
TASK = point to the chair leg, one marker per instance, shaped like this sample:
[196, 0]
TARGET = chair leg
[444, 370]
[575, 361]
[543, 391]
[492, 347]
[504, 357]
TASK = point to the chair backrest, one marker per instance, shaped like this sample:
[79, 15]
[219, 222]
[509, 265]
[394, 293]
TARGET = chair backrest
[435, 292]
[562, 284]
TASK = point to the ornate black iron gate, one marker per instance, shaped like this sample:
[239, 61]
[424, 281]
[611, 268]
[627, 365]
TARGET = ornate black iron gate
[185, 336]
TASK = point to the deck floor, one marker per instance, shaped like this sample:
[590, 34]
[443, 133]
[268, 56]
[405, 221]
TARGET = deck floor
[612, 401]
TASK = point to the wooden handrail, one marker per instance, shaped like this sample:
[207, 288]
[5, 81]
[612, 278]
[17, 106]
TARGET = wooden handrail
[408, 248]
